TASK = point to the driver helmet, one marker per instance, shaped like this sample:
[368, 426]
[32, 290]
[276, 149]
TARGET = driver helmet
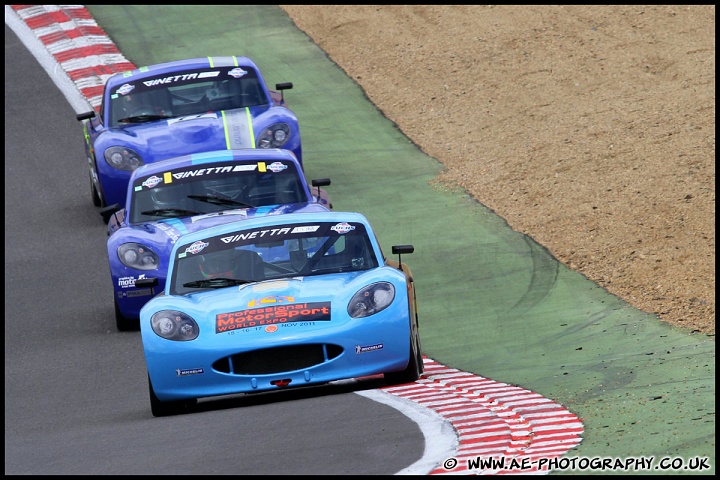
[133, 105]
[218, 264]
[129, 103]
[168, 197]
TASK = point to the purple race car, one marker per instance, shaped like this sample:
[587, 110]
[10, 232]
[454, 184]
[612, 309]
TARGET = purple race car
[172, 109]
[174, 197]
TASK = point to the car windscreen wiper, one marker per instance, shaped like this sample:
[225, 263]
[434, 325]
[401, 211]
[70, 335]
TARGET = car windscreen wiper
[170, 212]
[216, 200]
[143, 118]
[219, 282]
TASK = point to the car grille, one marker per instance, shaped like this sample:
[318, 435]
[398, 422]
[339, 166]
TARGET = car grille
[278, 359]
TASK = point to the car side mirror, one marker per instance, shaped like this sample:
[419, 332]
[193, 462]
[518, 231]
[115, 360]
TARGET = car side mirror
[400, 249]
[321, 182]
[146, 282]
[283, 86]
[85, 115]
[109, 211]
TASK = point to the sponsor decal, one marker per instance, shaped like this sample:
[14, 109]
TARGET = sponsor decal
[255, 234]
[208, 74]
[128, 282]
[152, 181]
[192, 117]
[271, 315]
[202, 171]
[270, 285]
[305, 229]
[237, 72]
[238, 129]
[280, 209]
[125, 89]
[297, 324]
[244, 168]
[169, 231]
[224, 213]
[342, 228]
[196, 247]
[369, 348]
[138, 293]
[277, 167]
[270, 299]
[184, 372]
[179, 78]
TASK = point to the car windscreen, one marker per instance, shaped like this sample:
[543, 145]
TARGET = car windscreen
[182, 93]
[278, 251]
[198, 189]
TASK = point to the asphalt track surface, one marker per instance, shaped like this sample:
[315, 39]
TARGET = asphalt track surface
[492, 301]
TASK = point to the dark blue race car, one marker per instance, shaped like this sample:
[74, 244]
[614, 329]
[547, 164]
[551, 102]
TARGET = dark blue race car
[189, 106]
[178, 196]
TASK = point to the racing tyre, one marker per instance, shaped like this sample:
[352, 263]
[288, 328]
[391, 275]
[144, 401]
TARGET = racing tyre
[414, 369]
[96, 200]
[125, 324]
[165, 409]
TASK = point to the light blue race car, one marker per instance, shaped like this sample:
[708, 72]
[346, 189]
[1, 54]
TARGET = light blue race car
[276, 302]
[187, 106]
[173, 197]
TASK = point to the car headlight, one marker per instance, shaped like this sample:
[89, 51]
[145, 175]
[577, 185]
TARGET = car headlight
[174, 325]
[123, 158]
[138, 256]
[371, 300]
[275, 136]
